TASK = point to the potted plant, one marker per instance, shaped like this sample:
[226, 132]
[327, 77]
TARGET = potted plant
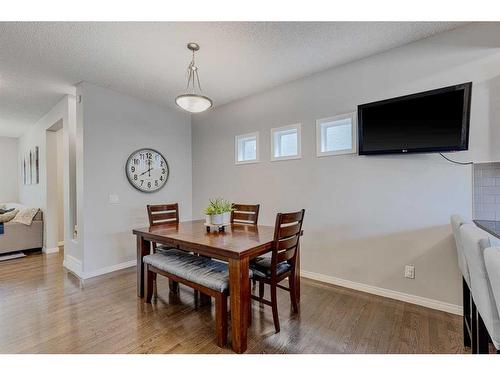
[218, 212]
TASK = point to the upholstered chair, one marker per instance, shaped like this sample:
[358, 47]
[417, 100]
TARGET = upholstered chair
[487, 320]
[468, 308]
[492, 261]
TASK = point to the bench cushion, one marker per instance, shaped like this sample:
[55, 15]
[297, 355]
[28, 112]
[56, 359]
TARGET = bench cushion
[261, 266]
[196, 269]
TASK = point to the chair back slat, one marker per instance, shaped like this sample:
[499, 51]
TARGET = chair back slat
[290, 230]
[163, 214]
[245, 213]
[287, 232]
[292, 217]
[285, 255]
[456, 222]
[288, 243]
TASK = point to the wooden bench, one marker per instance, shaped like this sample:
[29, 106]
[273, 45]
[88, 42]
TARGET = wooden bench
[206, 275]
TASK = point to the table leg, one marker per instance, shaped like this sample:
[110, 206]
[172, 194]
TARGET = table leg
[240, 298]
[143, 249]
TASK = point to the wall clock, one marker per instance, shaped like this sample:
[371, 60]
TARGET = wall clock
[147, 170]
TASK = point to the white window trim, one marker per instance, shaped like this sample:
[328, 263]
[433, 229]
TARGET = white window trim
[248, 135]
[354, 131]
[299, 142]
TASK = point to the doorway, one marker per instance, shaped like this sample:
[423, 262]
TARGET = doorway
[55, 188]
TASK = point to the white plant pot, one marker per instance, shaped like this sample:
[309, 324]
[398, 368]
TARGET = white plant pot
[208, 219]
[226, 217]
[216, 219]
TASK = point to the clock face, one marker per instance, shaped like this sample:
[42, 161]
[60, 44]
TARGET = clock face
[147, 170]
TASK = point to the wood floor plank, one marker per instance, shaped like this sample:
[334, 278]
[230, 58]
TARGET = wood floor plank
[44, 310]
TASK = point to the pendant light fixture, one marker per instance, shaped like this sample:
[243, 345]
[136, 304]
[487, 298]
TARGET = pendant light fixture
[193, 101]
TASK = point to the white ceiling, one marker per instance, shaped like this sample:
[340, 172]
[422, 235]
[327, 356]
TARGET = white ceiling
[40, 62]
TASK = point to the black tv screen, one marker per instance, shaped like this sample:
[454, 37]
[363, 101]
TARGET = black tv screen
[431, 121]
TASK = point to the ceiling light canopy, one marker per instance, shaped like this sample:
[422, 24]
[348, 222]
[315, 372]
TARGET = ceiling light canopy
[193, 101]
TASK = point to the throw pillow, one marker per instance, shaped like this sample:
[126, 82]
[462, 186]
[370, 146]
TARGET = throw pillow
[8, 216]
[25, 216]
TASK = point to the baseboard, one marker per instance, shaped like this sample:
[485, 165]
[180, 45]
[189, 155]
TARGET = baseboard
[60, 243]
[105, 270]
[73, 265]
[410, 298]
[51, 250]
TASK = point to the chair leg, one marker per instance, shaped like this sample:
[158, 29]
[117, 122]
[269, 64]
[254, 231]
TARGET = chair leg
[221, 319]
[261, 289]
[274, 304]
[173, 286]
[155, 286]
[466, 313]
[482, 336]
[473, 327]
[250, 306]
[148, 284]
[293, 294]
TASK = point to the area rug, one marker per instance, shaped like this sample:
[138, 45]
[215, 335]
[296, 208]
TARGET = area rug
[9, 256]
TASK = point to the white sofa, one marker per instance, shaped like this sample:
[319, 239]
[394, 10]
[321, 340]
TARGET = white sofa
[19, 237]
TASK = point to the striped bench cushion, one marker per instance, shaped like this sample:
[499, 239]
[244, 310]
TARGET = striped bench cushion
[199, 270]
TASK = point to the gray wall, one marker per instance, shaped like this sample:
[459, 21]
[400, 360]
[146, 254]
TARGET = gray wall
[115, 125]
[8, 170]
[366, 217]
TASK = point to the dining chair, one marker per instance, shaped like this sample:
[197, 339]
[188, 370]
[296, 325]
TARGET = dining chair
[245, 213]
[487, 320]
[281, 264]
[159, 214]
[468, 306]
[492, 261]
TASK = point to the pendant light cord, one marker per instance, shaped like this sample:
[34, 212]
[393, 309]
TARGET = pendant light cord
[456, 162]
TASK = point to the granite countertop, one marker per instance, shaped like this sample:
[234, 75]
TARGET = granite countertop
[490, 226]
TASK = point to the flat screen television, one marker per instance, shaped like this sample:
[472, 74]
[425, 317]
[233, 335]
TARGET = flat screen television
[430, 121]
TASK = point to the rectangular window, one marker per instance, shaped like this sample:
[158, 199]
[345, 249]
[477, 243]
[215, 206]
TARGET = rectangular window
[336, 135]
[285, 143]
[247, 148]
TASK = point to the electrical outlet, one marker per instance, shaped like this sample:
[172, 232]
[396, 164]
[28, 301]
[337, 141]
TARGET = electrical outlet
[410, 272]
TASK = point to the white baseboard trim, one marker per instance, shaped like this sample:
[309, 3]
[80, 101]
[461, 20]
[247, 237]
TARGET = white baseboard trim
[73, 265]
[51, 250]
[400, 296]
[105, 270]
[60, 243]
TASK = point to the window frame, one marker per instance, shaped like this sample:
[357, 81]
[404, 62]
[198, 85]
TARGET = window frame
[354, 134]
[237, 139]
[299, 142]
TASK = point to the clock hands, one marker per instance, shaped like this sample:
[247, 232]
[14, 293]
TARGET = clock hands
[149, 170]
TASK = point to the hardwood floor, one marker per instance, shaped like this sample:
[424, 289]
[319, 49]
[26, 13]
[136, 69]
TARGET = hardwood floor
[43, 310]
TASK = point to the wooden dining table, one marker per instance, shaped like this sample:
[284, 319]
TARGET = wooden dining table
[237, 245]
